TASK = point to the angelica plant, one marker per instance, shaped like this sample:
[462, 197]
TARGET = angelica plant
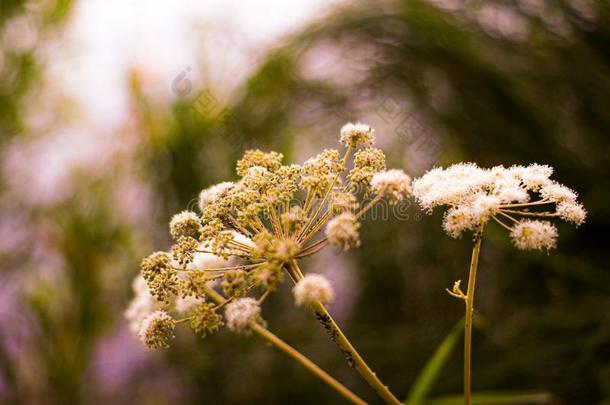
[523, 200]
[228, 258]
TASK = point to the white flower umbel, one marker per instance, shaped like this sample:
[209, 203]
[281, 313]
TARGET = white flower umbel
[241, 313]
[142, 305]
[475, 195]
[517, 198]
[157, 330]
[355, 135]
[251, 232]
[572, 212]
[185, 223]
[534, 235]
[342, 231]
[393, 184]
[313, 288]
[211, 194]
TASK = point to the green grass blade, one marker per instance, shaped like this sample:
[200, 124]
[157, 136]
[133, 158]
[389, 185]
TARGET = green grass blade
[427, 377]
[496, 398]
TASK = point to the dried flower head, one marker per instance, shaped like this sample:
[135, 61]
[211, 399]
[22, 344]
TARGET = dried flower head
[393, 184]
[342, 231]
[205, 320]
[251, 231]
[313, 288]
[157, 330]
[241, 313]
[355, 135]
[185, 223]
[184, 250]
[160, 276]
[367, 162]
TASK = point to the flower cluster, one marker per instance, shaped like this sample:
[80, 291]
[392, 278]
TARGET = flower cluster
[521, 199]
[248, 231]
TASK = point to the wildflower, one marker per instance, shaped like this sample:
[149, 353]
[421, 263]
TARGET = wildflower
[157, 330]
[161, 278]
[355, 135]
[251, 231]
[319, 172]
[204, 319]
[184, 249]
[459, 219]
[535, 176]
[476, 195]
[185, 305]
[344, 201]
[393, 184]
[534, 235]
[313, 288]
[270, 161]
[185, 223]
[571, 212]
[268, 275]
[142, 304]
[342, 231]
[211, 194]
[367, 162]
[241, 313]
[556, 192]
[235, 283]
[294, 219]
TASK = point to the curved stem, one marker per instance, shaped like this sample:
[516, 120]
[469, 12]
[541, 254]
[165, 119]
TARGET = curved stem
[353, 357]
[289, 350]
[292, 352]
[474, 261]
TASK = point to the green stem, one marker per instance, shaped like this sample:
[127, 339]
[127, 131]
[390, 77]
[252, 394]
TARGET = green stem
[476, 248]
[295, 354]
[353, 357]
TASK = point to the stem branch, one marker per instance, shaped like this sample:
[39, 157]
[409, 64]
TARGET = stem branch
[295, 354]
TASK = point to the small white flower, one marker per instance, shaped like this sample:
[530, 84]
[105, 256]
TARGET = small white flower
[534, 235]
[393, 184]
[355, 135]
[534, 176]
[459, 219]
[157, 330]
[313, 288]
[210, 194]
[142, 305]
[241, 313]
[342, 231]
[571, 212]
[185, 223]
[558, 193]
[484, 206]
[184, 305]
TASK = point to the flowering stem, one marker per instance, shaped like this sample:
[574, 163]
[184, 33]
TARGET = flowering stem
[353, 357]
[292, 352]
[476, 248]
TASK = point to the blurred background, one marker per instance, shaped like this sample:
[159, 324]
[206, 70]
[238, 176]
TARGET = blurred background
[114, 115]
